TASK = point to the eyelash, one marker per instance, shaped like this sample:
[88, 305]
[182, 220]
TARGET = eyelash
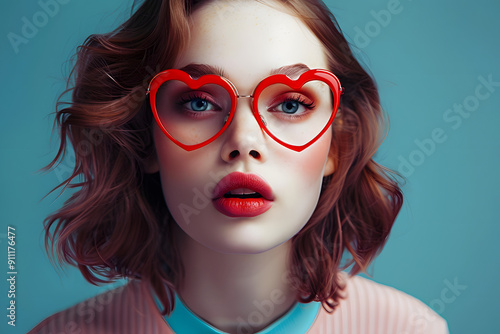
[196, 96]
[192, 96]
[302, 101]
[299, 99]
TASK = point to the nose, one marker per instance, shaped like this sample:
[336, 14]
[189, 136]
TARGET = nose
[244, 139]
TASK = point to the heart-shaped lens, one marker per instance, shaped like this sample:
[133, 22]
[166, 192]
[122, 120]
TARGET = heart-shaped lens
[192, 115]
[296, 115]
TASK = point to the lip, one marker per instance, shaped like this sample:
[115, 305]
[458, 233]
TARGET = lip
[242, 207]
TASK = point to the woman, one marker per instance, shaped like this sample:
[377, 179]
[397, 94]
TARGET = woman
[226, 153]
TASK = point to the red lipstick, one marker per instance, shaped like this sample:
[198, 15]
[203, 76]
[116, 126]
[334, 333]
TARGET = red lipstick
[242, 195]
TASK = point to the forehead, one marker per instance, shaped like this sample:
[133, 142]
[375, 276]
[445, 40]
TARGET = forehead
[249, 40]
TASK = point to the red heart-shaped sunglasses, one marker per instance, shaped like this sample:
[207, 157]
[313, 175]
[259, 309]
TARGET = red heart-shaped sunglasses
[193, 112]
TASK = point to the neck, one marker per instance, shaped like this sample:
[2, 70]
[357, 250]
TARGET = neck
[231, 291]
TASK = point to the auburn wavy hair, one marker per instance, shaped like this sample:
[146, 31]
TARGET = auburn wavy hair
[116, 224]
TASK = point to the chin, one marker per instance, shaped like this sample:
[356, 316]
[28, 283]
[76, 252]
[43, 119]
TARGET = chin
[246, 244]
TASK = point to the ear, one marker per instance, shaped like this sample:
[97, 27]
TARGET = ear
[331, 160]
[151, 164]
[330, 165]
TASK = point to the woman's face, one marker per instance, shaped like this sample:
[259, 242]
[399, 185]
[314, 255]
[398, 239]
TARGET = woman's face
[248, 41]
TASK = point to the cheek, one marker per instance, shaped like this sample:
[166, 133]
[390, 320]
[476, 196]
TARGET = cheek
[185, 189]
[301, 181]
[315, 158]
[310, 169]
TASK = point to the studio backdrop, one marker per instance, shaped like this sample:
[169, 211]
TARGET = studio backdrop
[436, 64]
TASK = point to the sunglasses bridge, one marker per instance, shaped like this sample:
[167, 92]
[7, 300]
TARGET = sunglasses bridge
[246, 96]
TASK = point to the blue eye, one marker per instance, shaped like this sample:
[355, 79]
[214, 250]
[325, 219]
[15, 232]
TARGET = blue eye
[198, 104]
[290, 107]
[294, 106]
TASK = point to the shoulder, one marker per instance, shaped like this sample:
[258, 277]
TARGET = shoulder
[127, 309]
[369, 307]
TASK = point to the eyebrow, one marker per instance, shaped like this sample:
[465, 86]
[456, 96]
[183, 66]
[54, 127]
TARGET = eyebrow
[291, 70]
[199, 70]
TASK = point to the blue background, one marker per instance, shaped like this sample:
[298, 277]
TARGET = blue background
[426, 57]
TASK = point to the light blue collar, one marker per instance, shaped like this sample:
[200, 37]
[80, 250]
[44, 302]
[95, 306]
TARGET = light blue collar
[296, 321]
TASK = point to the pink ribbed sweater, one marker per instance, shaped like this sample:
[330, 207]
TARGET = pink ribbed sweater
[369, 308]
